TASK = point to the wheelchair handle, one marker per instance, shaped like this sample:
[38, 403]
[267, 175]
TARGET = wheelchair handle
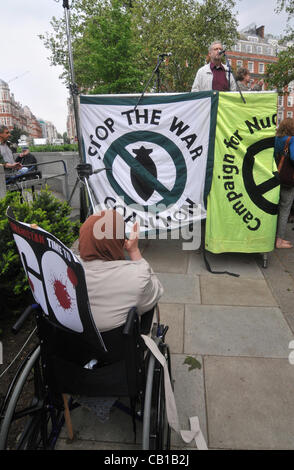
[131, 318]
[18, 325]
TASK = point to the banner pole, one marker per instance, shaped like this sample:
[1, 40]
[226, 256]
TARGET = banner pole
[73, 86]
[84, 169]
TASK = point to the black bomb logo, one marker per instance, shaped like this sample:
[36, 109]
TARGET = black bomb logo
[143, 171]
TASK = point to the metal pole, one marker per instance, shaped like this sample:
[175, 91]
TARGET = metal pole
[86, 199]
[73, 86]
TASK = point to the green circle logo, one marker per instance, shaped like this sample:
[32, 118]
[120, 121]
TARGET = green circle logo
[118, 148]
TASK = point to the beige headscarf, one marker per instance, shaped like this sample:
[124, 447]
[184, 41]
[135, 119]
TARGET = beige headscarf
[102, 236]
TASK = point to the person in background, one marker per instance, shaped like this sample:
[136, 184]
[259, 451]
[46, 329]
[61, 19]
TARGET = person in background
[214, 75]
[285, 130]
[116, 284]
[243, 80]
[6, 157]
[26, 158]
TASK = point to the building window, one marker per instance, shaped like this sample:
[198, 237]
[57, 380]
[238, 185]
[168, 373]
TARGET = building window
[290, 101]
[251, 67]
[238, 47]
[280, 100]
[280, 117]
[239, 63]
[270, 51]
[290, 114]
[252, 38]
[261, 67]
[259, 50]
[248, 48]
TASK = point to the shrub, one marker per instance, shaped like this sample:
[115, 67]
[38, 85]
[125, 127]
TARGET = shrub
[44, 210]
[52, 148]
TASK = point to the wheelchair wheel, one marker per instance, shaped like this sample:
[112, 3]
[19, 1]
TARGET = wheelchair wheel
[30, 421]
[156, 430]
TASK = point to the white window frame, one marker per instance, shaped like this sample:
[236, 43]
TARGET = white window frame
[259, 49]
[290, 101]
[280, 116]
[251, 66]
[290, 114]
[280, 100]
[239, 63]
[261, 67]
[249, 48]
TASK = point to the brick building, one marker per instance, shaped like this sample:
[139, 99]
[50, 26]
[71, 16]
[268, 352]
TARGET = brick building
[255, 50]
[12, 113]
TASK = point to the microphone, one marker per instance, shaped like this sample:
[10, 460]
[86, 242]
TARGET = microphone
[99, 170]
[167, 54]
[223, 51]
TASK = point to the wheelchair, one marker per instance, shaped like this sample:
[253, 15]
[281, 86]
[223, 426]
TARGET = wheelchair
[59, 368]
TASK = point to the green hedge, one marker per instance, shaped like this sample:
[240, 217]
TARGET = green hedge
[44, 210]
[52, 148]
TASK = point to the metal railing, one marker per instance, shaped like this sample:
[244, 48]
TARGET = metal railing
[27, 183]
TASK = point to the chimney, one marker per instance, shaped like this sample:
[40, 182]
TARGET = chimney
[260, 31]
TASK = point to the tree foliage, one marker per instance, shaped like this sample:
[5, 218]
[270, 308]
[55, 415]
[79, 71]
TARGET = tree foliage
[116, 43]
[185, 28]
[281, 73]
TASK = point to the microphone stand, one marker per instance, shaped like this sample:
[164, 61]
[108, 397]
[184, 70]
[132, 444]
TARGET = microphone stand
[232, 73]
[160, 59]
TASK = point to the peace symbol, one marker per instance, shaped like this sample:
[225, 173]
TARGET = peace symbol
[118, 148]
[256, 191]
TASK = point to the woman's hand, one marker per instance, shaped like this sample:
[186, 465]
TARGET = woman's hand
[132, 244]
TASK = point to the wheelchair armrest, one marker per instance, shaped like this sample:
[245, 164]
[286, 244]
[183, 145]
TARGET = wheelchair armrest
[131, 320]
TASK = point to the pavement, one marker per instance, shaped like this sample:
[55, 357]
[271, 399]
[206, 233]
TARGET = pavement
[239, 329]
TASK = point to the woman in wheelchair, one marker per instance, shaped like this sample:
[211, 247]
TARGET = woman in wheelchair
[120, 291]
[116, 284]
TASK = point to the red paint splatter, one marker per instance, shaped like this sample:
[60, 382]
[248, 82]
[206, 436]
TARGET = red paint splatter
[72, 276]
[62, 294]
[31, 285]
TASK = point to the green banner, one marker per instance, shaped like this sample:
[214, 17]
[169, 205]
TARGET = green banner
[243, 202]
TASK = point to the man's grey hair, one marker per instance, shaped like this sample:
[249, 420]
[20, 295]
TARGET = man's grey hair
[2, 128]
[213, 44]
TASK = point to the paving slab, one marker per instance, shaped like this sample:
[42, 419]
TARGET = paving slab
[220, 290]
[250, 403]
[238, 263]
[173, 316]
[281, 283]
[166, 256]
[189, 396]
[76, 444]
[180, 288]
[117, 431]
[236, 331]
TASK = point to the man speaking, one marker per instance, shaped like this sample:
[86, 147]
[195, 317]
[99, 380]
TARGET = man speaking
[214, 75]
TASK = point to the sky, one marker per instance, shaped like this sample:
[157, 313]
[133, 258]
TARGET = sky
[38, 85]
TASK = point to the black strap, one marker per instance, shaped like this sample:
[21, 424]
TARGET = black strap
[216, 272]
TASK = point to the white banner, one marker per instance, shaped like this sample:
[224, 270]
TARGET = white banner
[155, 155]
